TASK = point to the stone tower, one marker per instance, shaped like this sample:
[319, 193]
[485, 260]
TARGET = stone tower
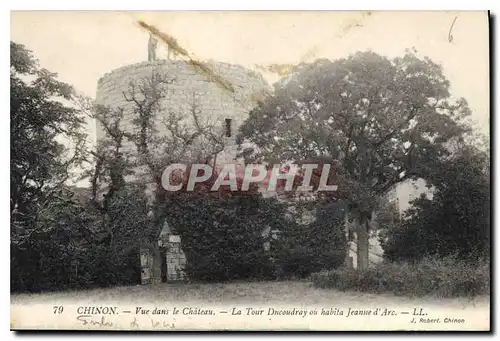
[219, 105]
[223, 107]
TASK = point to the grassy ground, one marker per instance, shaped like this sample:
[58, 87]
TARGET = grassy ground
[259, 296]
[276, 293]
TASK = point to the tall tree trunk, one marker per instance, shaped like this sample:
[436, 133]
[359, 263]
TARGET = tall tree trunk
[348, 260]
[362, 249]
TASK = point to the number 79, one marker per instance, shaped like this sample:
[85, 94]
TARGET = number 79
[58, 309]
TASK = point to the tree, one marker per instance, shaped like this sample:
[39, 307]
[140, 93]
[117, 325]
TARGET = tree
[185, 136]
[306, 247]
[377, 121]
[128, 164]
[455, 221]
[40, 119]
[388, 218]
[162, 135]
[47, 147]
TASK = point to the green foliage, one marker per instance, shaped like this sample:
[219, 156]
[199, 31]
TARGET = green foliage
[446, 277]
[373, 115]
[222, 235]
[306, 248]
[100, 266]
[39, 119]
[73, 245]
[113, 257]
[455, 221]
[41, 255]
[378, 121]
[40, 166]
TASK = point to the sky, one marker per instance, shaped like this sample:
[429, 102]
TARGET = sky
[83, 46]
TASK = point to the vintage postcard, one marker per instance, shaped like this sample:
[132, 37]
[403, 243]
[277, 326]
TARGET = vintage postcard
[279, 171]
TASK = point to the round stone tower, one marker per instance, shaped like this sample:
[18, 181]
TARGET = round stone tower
[224, 95]
[224, 100]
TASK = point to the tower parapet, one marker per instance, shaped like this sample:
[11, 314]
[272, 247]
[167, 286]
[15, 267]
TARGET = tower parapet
[218, 105]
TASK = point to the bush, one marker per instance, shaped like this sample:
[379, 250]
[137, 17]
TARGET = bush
[456, 221]
[320, 245]
[308, 250]
[100, 266]
[70, 247]
[446, 277]
[222, 236]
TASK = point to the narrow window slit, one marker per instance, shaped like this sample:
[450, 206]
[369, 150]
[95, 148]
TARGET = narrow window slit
[228, 127]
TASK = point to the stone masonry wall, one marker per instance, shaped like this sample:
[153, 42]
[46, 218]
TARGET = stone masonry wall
[215, 102]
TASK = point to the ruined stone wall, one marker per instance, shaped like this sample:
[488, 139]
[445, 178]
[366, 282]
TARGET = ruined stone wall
[216, 103]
